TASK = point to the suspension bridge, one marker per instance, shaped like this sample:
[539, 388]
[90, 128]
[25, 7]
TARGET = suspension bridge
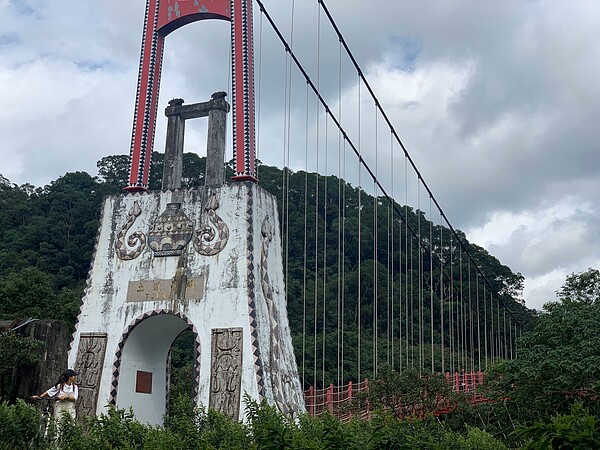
[385, 279]
[375, 274]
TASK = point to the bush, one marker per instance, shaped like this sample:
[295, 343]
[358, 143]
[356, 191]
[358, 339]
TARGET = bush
[265, 428]
[578, 430]
[20, 426]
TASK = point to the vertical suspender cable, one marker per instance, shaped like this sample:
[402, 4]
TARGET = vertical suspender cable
[461, 313]
[412, 305]
[359, 293]
[401, 255]
[390, 251]
[407, 316]
[340, 256]
[305, 259]
[485, 331]
[471, 331]
[478, 323]
[325, 250]
[494, 329]
[491, 329]
[375, 244]
[431, 281]
[442, 296]
[317, 181]
[420, 279]
[316, 249]
[286, 167]
[343, 268]
[510, 338]
[324, 318]
[505, 340]
[499, 335]
[451, 309]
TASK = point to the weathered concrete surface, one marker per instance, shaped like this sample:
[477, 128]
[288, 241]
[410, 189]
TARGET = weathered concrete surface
[140, 329]
[28, 381]
[177, 113]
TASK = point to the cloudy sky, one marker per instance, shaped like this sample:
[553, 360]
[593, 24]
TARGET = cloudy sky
[498, 103]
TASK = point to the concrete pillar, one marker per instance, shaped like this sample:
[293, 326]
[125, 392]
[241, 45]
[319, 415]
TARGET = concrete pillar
[173, 162]
[215, 141]
[177, 113]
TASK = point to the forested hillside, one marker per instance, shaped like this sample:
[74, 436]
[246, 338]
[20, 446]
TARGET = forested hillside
[47, 236]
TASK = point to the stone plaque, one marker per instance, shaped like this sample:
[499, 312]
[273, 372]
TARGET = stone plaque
[157, 290]
[226, 371]
[90, 359]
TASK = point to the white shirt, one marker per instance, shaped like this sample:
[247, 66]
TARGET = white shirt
[65, 389]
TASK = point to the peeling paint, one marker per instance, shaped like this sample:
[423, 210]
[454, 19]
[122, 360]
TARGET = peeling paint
[223, 303]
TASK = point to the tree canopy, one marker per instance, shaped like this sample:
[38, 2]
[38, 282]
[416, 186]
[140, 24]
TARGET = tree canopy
[559, 359]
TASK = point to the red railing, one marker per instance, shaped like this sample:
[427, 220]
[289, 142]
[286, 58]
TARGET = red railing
[337, 400]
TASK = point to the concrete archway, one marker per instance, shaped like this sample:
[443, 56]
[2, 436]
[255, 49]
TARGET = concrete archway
[140, 370]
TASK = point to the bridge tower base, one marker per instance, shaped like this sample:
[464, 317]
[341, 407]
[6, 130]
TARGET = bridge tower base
[206, 260]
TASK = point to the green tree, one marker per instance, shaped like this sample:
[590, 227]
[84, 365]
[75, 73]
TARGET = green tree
[577, 430]
[31, 293]
[559, 360]
[581, 287]
[15, 350]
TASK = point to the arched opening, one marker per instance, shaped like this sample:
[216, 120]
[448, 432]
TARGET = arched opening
[181, 383]
[141, 372]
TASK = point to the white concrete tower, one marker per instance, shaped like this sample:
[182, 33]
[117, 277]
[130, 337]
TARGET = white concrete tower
[207, 260]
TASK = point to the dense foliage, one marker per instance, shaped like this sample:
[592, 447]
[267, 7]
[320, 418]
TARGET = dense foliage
[534, 402]
[559, 360]
[264, 428]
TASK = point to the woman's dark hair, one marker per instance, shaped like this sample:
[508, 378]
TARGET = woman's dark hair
[61, 381]
[65, 377]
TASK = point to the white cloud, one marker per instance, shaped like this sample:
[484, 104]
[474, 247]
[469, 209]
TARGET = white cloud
[497, 103]
[544, 244]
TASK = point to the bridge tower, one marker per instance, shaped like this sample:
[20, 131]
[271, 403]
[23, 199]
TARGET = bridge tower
[207, 260]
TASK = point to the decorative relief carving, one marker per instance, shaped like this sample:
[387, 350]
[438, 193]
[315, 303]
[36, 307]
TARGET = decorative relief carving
[214, 228]
[90, 359]
[136, 241]
[226, 371]
[286, 396]
[171, 232]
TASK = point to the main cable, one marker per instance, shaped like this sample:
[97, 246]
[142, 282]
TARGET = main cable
[407, 155]
[362, 162]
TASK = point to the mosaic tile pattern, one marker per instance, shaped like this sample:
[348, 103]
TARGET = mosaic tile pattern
[250, 265]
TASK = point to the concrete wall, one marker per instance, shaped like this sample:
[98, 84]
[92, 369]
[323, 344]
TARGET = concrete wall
[27, 381]
[135, 309]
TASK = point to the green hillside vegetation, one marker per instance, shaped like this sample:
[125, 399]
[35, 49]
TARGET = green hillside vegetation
[47, 236]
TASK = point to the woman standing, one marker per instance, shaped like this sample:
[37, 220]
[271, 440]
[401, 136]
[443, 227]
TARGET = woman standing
[65, 391]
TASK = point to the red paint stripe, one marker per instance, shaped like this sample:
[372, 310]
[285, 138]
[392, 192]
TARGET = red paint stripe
[143, 94]
[157, 69]
[238, 101]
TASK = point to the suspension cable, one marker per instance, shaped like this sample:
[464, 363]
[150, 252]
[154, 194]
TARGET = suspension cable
[356, 151]
[393, 130]
[375, 251]
[359, 299]
[362, 164]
